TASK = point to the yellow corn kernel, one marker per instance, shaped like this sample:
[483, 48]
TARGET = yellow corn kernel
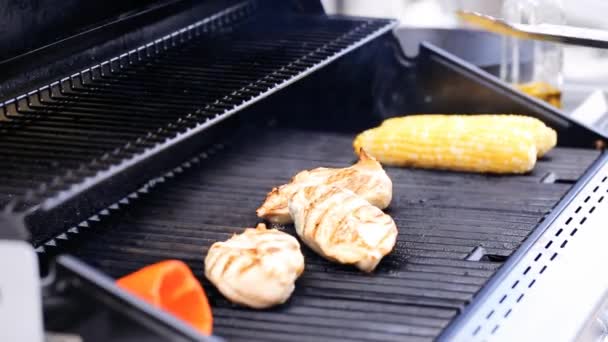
[487, 143]
[545, 137]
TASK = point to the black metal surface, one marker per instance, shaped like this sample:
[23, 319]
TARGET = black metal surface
[43, 40]
[416, 291]
[499, 277]
[86, 141]
[115, 117]
[31, 24]
[80, 301]
[41, 66]
[104, 132]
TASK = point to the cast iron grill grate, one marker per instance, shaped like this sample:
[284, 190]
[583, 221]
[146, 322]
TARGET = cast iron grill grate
[416, 291]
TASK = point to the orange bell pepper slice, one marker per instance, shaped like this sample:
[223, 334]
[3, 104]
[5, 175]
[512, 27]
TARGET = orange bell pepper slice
[171, 286]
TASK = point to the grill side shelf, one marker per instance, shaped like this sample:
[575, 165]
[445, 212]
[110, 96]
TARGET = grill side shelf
[101, 133]
[553, 275]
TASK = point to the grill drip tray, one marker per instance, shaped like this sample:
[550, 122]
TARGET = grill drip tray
[454, 231]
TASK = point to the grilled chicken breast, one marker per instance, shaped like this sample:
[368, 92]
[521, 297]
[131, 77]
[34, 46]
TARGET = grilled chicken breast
[366, 178]
[342, 227]
[257, 268]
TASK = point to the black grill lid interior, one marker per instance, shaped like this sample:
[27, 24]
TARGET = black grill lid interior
[68, 137]
[31, 25]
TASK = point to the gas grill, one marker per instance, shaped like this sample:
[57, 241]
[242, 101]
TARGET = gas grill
[147, 131]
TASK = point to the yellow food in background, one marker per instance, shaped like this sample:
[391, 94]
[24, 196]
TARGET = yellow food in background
[473, 143]
[543, 91]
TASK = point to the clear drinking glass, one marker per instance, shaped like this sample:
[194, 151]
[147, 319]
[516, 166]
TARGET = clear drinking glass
[545, 78]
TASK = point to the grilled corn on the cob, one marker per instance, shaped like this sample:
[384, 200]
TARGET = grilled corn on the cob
[475, 143]
[544, 137]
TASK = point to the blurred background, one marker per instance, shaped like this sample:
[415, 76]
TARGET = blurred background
[433, 13]
[585, 69]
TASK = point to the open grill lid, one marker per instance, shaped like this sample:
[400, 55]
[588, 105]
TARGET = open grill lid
[45, 31]
[87, 140]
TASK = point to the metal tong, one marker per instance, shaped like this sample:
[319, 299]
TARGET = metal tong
[547, 32]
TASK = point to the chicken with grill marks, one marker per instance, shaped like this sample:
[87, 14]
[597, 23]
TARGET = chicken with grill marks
[257, 268]
[342, 226]
[366, 178]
